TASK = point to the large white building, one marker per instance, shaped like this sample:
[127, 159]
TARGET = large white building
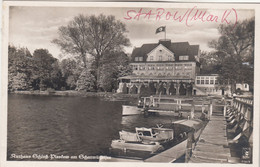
[164, 63]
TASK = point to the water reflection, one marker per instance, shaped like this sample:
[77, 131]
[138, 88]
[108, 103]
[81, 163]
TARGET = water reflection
[68, 125]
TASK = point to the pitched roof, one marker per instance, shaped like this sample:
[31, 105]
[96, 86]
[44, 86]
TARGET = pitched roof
[178, 48]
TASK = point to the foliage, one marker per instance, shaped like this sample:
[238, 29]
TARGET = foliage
[144, 91]
[172, 89]
[19, 67]
[86, 81]
[133, 90]
[182, 90]
[152, 88]
[33, 72]
[161, 89]
[95, 36]
[114, 65]
[20, 82]
[46, 73]
[70, 72]
[124, 88]
[234, 54]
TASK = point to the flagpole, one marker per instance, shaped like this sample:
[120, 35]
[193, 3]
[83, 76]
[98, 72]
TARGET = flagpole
[165, 34]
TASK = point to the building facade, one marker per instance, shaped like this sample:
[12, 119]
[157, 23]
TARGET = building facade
[242, 87]
[171, 68]
[207, 84]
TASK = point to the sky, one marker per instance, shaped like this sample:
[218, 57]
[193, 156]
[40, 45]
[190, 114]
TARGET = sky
[36, 27]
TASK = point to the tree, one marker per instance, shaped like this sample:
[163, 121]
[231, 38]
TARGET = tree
[182, 90]
[210, 62]
[20, 82]
[19, 68]
[113, 66]
[172, 89]
[92, 35]
[235, 46]
[44, 69]
[85, 81]
[152, 88]
[70, 72]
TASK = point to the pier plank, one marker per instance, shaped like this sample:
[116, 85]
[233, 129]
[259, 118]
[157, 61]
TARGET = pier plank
[211, 146]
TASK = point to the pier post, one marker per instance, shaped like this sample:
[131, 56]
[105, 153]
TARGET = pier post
[192, 110]
[225, 107]
[210, 109]
[189, 147]
[144, 102]
[179, 103]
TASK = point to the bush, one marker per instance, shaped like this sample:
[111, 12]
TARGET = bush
[50, 90]
[133, 90]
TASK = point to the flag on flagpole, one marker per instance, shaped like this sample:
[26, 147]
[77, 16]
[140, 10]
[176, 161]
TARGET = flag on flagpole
[160, 29]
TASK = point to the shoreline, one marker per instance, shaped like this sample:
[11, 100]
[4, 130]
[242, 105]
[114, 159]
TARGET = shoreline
[106, 95]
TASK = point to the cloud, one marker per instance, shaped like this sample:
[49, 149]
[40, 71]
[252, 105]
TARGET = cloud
[35, 27]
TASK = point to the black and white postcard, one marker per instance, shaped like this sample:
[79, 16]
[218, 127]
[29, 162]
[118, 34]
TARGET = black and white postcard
[129, 83]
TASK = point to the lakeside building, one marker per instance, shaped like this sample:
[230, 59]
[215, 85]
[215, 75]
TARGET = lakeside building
[242, 87]
[207, 84]
[170, 68]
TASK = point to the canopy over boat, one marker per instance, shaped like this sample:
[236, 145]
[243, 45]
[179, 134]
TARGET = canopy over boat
[196, 124]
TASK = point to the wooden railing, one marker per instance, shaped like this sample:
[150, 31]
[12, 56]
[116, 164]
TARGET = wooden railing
[177, 104]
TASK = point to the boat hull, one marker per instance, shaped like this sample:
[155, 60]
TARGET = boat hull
[131, 110]
[120, 144]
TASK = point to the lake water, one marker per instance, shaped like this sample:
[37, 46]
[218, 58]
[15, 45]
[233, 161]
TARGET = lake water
[66, 126]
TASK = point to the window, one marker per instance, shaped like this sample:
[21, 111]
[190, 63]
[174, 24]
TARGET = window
[138, 58]
[202, 81]
[207, 81]
[198, 81]
[168, 67]
[170, 58]
[245, 85]
[178, 66]
[135, 67]
[141, 67]
[211, 82]
[151, 58]
[160, 58]
[160, 67]
[184, 58]
[151, 67]
[216, 81]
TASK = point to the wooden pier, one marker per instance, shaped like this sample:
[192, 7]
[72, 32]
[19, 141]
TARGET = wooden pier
[213, 144]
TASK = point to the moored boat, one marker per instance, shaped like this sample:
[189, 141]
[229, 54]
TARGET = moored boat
[131, 110]
[145, 147]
